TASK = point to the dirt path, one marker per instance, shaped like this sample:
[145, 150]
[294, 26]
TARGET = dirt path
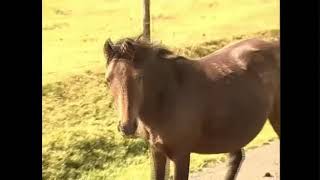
[257, 163]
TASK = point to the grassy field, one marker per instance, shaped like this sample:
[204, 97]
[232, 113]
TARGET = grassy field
[80, 140]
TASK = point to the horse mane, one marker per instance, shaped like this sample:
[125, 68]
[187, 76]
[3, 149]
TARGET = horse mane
[122, 49]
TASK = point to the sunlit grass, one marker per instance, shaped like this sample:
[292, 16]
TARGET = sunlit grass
[75, 30]
[80, 140]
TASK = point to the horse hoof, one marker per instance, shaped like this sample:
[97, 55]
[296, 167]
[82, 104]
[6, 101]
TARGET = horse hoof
[268, 175]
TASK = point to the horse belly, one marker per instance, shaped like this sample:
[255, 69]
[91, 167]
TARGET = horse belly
[232, 126]
[227, 140]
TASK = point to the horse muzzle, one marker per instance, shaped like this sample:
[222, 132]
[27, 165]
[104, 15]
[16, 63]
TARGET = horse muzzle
[128, 129]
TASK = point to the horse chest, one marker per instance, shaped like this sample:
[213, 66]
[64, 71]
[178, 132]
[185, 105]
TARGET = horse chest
[158, 143]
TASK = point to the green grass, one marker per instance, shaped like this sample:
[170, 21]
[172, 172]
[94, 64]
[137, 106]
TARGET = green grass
[75, 30]
[80, 140]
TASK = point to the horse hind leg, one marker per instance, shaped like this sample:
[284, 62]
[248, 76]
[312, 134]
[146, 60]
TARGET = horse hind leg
[274, 116]
[235, 161]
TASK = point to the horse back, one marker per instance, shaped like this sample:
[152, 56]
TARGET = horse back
[252, 55]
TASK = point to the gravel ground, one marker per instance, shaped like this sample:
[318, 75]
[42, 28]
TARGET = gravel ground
[262, 163]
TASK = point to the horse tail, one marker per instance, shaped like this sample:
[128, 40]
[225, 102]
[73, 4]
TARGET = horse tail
[274, 116]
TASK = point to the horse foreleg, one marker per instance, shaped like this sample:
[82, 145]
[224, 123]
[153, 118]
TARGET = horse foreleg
[159, 161]
[181, 166]
[236, 159]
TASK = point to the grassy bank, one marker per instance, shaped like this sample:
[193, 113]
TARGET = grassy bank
[75, 30]
[80, 140]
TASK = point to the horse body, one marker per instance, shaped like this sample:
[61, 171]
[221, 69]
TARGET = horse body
[216, 110]
[216, 104]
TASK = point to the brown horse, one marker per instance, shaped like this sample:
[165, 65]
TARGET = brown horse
[216, 104]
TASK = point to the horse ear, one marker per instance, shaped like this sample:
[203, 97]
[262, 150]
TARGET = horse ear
[140, 37]
[108, 50]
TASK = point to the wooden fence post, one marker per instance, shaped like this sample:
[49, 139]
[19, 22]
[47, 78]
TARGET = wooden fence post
[146, 20]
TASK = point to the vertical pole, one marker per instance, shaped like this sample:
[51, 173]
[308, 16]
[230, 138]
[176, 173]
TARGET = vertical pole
[146, 20]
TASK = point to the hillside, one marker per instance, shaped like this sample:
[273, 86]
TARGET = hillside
[80, 140]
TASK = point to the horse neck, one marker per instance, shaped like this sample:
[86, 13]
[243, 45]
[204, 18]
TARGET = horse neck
[168, 73]
[161, 88]
[159, 80]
